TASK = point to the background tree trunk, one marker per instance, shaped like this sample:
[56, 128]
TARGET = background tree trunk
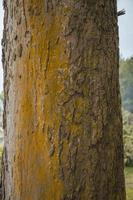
[62, 120]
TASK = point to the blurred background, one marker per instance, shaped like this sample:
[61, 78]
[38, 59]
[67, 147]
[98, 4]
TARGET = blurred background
[126, 85]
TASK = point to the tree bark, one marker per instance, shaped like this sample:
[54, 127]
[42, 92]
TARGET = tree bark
[62, 110]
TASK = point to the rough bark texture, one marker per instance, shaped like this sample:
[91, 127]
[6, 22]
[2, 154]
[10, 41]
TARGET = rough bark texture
[62, 120]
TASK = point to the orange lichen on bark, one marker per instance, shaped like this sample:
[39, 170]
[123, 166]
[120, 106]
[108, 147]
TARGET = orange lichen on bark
[38, 85]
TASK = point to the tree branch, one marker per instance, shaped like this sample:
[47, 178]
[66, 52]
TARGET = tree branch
[121, 12]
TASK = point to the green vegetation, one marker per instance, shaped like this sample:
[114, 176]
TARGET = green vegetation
[1, 101]
[129, 182]
[128, 137]
[1, 148]
[126, 83]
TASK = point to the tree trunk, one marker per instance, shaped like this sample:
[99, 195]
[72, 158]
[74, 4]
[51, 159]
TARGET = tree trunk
[62, 111]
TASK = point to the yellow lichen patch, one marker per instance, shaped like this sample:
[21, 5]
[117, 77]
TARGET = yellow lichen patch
[39, 81]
